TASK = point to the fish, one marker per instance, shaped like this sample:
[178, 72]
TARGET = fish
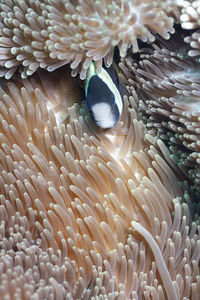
[102, 97]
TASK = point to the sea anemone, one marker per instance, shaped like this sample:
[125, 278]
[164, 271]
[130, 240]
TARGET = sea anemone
[49, 34]
[86, 213]
[190, 19]
[190, 14]
[168, 84]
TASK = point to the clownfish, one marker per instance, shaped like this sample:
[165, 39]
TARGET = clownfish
[102, 98]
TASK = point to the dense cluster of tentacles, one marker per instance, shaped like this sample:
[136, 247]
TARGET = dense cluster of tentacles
[167, 81]
[49, 34]
[87, 213]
